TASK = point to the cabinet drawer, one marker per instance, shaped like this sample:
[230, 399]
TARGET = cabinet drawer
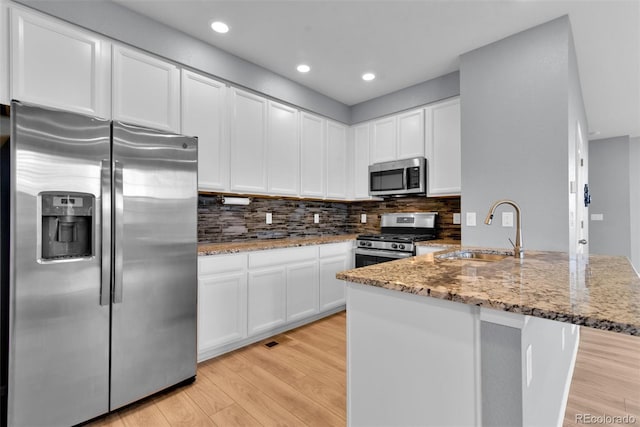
[216, 264]
[333, 249]
[282, 256]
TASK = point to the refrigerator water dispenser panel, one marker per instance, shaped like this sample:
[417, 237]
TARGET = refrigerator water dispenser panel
[67, 225]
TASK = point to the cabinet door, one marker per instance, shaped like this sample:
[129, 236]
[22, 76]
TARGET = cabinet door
[282, 150]
[222, 310]
[331, 289]
[443, 148]
[57, 65]
[248, 142]
[267, 299]
[302, 290]
[146, 90]
[411, 134]
[204, 116]
[383, 140]
[361, 161]
[336, 161]
[312, 155]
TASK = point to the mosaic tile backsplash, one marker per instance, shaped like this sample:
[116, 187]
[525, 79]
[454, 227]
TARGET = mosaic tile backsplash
[294, 218]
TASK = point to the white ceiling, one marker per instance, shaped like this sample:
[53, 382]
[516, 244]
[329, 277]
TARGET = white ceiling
[407, 42]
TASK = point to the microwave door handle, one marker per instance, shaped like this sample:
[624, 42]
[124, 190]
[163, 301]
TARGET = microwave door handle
[405, 179]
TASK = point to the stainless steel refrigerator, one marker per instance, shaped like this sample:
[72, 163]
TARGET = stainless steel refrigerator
[99, 264]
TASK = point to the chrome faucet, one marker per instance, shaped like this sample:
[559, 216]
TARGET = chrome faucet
[518, 250]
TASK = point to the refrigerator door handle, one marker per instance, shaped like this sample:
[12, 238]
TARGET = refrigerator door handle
[105, 190]
[118, 231]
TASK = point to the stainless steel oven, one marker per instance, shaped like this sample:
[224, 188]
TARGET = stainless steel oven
[399, 233]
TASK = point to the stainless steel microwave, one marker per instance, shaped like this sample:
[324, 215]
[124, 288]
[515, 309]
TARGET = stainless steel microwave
[399, 178]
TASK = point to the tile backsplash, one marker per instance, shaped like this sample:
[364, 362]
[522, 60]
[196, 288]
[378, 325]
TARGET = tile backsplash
[295, 218]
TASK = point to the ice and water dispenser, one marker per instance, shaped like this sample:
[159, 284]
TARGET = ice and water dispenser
[67, 225]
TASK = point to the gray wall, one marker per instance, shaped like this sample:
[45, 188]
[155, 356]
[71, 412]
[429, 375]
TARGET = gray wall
[501, 382]
[423, 93]
[634, 200]
[514, 106]
[609, 181]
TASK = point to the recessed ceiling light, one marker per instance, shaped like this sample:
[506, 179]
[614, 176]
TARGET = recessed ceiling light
[303, 68]
[219, 27]
[367, 77]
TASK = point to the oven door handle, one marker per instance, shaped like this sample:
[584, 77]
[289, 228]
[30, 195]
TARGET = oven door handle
[383, 253]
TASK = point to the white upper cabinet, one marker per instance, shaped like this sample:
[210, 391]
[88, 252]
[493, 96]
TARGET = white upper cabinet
[283, 157]
[383, 141]
[204, 112]
[58, 65]
[411, 134]
[443, 148]
[361, 161]
[336, 160]
[146, 90]
[248, 142]
[400, 136]
[312, 155]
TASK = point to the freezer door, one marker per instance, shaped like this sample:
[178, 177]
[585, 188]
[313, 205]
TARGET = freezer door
[155, 259]
[59, 330]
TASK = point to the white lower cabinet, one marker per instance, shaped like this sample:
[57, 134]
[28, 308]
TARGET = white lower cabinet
[334, 258]
[266, 298]
[302, 289]
[246, 297]
[222, 301]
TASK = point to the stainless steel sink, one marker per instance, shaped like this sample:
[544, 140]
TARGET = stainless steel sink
[475, 255]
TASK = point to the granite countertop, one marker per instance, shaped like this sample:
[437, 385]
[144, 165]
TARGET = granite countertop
[449, 243]
[258, 245]
[603, 293]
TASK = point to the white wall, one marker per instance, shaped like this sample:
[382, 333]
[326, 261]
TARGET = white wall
[634, 200]
[515, 112]
[609, 181]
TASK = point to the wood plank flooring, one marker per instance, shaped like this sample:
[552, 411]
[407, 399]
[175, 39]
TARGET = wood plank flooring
[606, 379]
[299, 382]
[302, 382]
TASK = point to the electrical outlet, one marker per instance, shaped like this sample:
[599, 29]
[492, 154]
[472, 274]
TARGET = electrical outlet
[507, 219]
[456, 218]
[269, 218]
[471, 219]
[363, 218]
[597, 217]
[316, 218]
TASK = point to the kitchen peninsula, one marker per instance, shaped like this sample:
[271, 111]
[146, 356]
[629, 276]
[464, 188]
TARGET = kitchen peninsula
[441, 340]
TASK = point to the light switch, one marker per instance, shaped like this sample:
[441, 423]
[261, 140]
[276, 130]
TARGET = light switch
[363, 218]
[471, 219]
[316, 218]
[456, 218]
[269, 218]
[507, 219]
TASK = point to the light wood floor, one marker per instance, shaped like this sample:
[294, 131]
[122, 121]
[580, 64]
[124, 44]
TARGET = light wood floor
[301, 381]
[606, 379]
